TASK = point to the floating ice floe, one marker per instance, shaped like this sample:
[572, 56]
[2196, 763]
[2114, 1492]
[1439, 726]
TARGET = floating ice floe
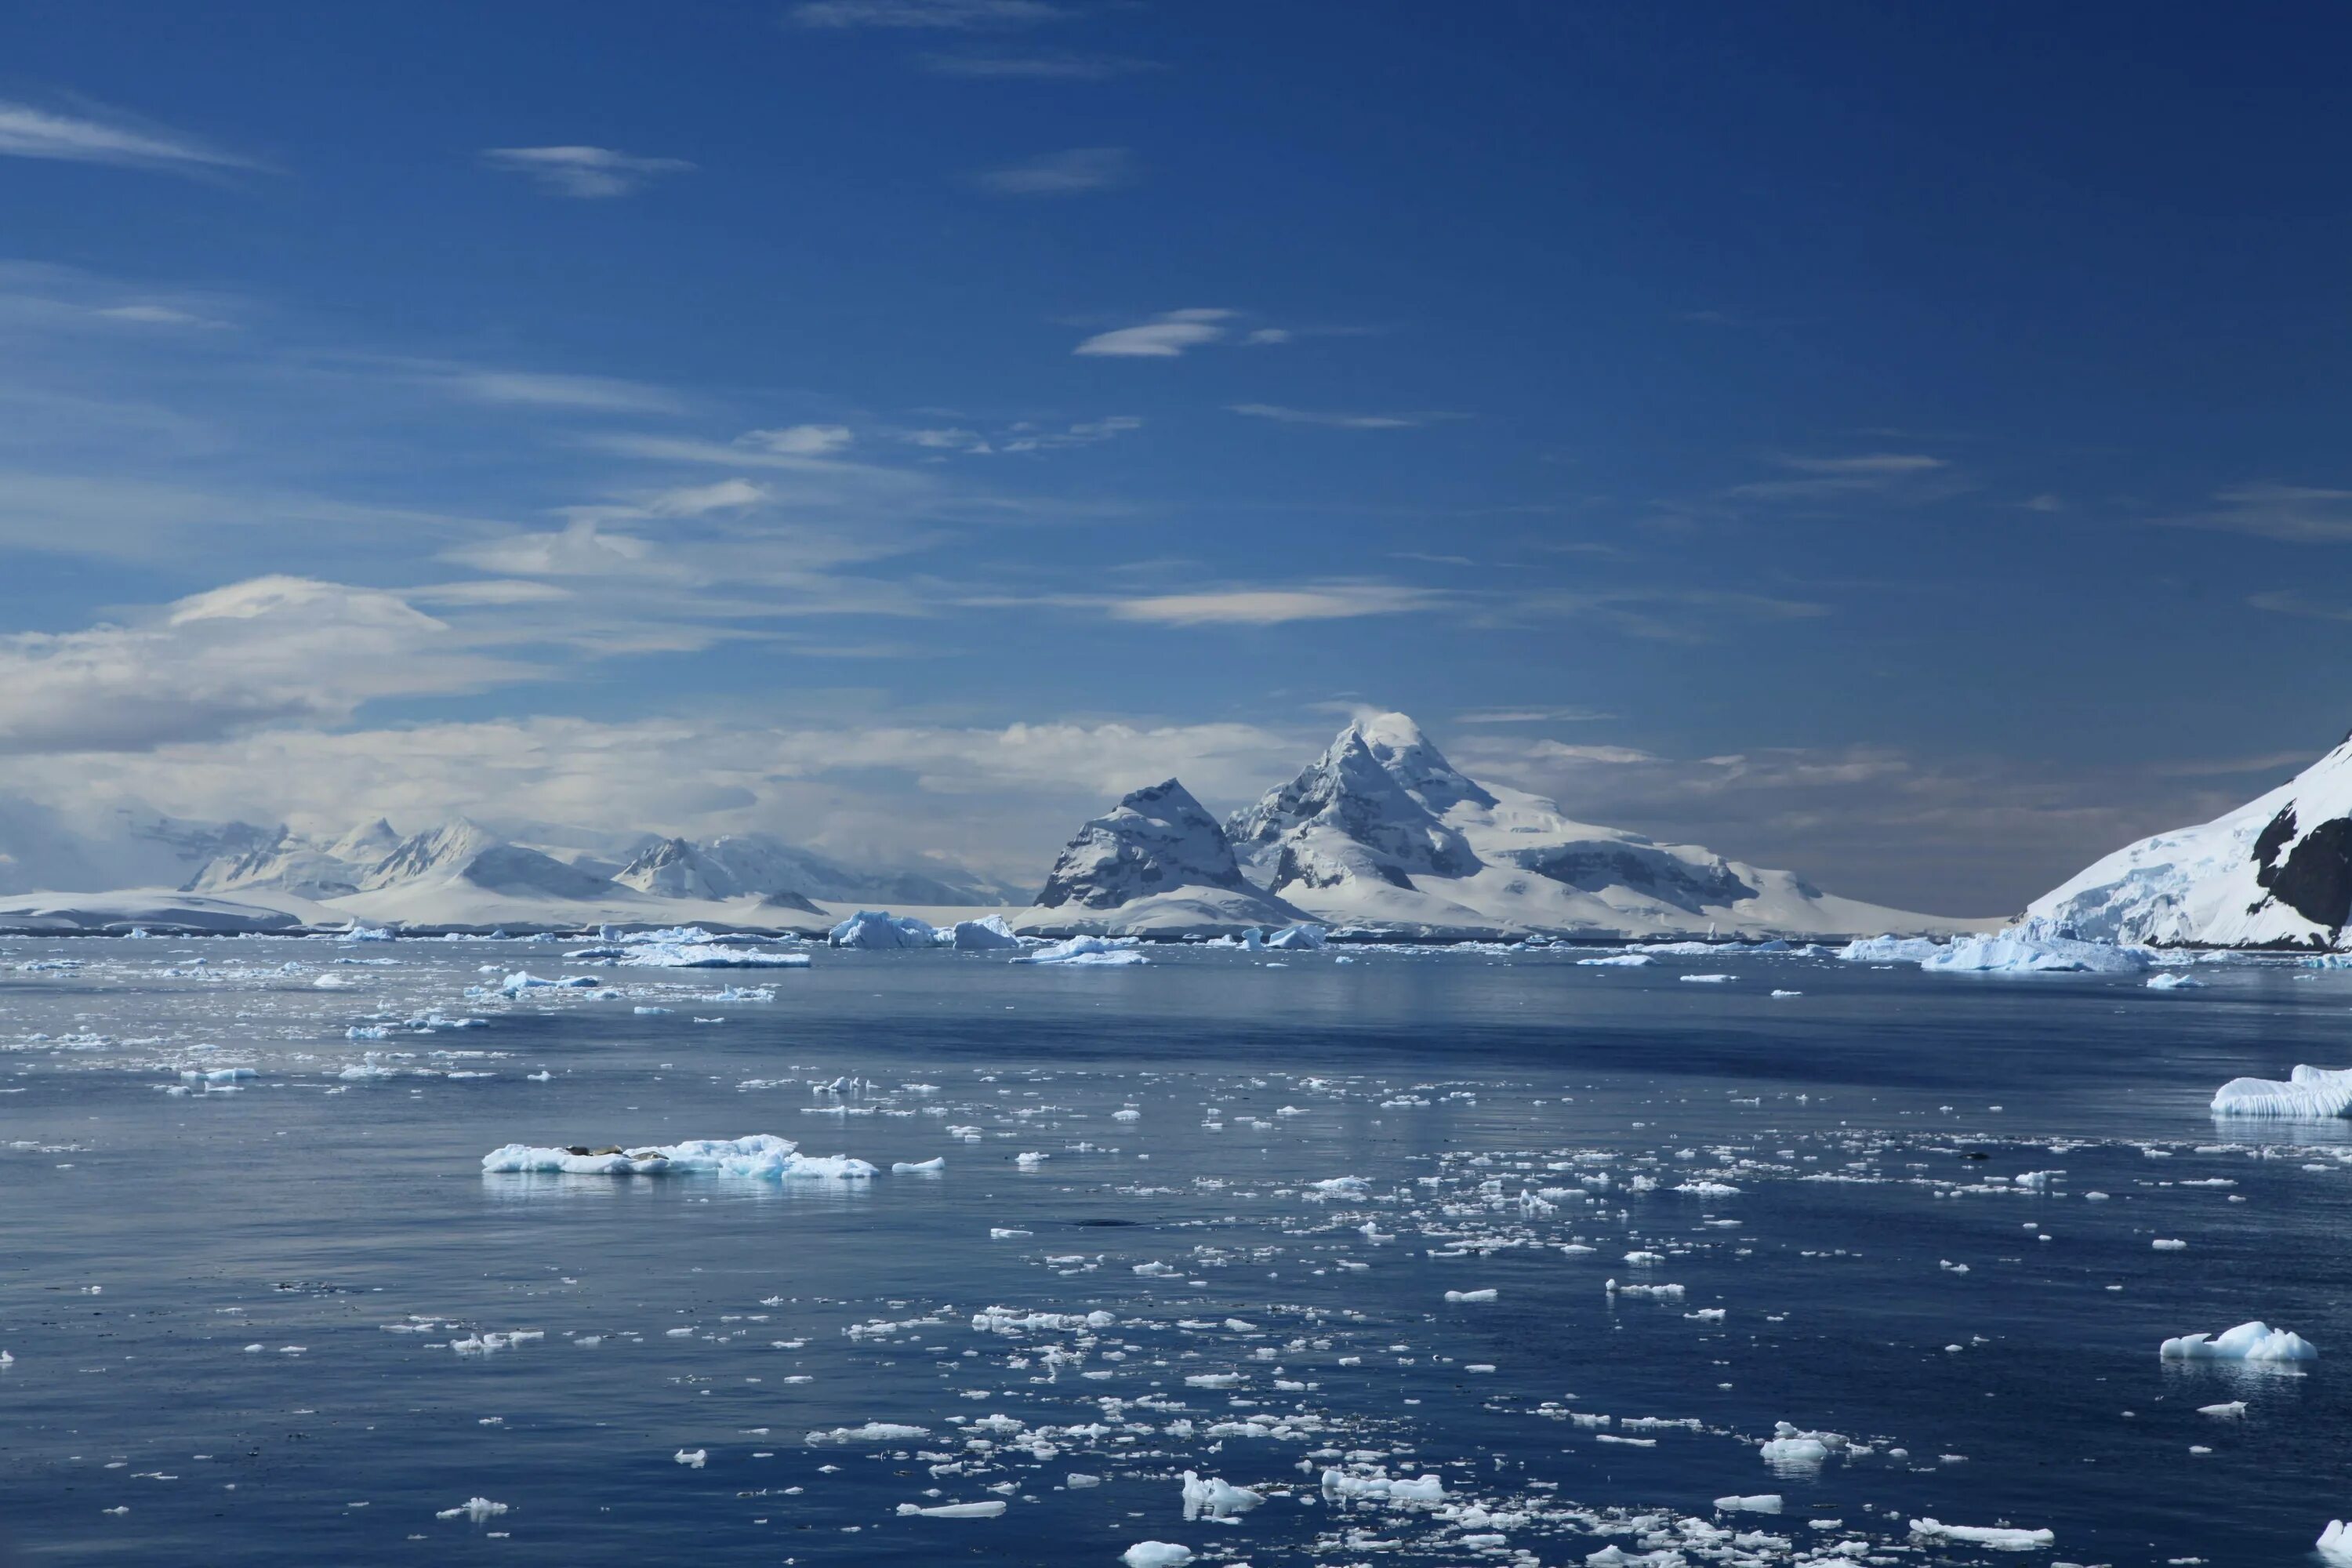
[1762, 1502]
[1617, 961]
[1101, 951]
[475, 1509]
[1890, 950]
[761, 1155]
[918, 1167]
[872, 1432]
[522, 980]
[2175, 983]
[709, 955]
[1216, 1498]
[2256, 1341]
[1156, 1554]
[988, 1510]
[879, 928]
[987, 935]
[2308, 1091]
[1297, 938]
[1379, 1488]
[2000, 1537]
[1716, 979]
[2335, 1541]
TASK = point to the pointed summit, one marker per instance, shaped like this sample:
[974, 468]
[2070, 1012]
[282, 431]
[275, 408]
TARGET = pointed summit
[1154, 841]
[1349, 815]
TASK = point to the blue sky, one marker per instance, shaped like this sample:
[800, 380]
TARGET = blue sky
[1900, 443]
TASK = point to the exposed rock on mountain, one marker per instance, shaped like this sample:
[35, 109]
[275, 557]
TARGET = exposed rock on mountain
[2276, 872]
[1157, 861]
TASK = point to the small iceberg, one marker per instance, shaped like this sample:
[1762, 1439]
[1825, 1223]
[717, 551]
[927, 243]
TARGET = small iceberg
[2174, 982]
[762, 1157]
[2256, 1341]
[1097, 950]
[880, 931]
[987, 935]
[2308, 1091]
[1999, 1538]
[2033, 948]
[1298, 938]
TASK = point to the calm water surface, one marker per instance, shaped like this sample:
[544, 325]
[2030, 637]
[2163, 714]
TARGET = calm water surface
[232, 1310]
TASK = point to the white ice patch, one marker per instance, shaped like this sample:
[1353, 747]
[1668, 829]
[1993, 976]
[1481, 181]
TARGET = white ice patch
[761, 1155]
[2308, 1091]
[2255, 1341]
[1088, 950]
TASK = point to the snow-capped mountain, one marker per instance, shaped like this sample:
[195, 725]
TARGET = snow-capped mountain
[1156, 862]
[2277, 871]
[1382, 830]
[677, 869]
[290, 863]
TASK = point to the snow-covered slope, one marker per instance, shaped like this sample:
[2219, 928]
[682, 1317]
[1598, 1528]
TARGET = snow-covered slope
[2277, 871]
[1382, 830]
[1156, 862]
[676, 869]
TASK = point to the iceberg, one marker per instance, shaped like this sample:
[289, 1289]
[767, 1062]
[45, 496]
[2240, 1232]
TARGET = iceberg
[1308, 938]
[1216, 1498]
[987, 935]
[1890, 950]
[1999, 1538]
[2335, 1541]
[2035, 948]
[879, 929]
[761, 1155]
[1099, 951]
[2308, 1092]
[2174, 982]
[2256, 1341]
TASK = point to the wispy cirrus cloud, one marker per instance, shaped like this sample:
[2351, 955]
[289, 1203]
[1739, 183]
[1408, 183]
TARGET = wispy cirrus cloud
[586, 173]
[586, 393]
[1865, 474]
[1255, 606]
[1035, 67]
[1335, 421]
[1165, 336]
[28, 131]
[926, 16]
[2298, 515]
[1077, 171]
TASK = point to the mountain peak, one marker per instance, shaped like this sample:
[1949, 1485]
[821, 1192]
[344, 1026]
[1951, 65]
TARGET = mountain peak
[1155, 840]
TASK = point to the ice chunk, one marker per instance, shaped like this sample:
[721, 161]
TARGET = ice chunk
[2174, 982]
[1616, 961]
[1103, 951]
[1890, 950]
[988, 1510]
[1216, 1498]
[1382, 1487]
[1762, 1502]
[1303, 937]
[1999, 1538]
[918, 1167]
[1156, 1554]
[872, 1432]
[2335, 1540]
[476, 1509]
[761, 1155]
[2308, 1091]
[2248, 1342]
[986, 934]
[879, 928]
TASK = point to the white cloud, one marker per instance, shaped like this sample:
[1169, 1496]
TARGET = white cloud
[1912, 476]
[1338, 421]
[941, 15]
[801, 440]
[2300, 514]
[583, 172]
[1163, 337]
[589, 393]
[1076, 171]
[1272, 606]
[269, 650]
[158, 316]
[29, 132]
[693, 501]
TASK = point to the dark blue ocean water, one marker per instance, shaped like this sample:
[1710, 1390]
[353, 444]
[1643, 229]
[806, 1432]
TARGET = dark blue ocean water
[148, 1239]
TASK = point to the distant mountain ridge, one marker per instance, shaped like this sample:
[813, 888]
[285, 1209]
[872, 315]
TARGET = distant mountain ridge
[1382, 831]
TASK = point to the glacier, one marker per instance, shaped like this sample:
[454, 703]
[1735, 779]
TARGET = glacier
[2275, 872]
